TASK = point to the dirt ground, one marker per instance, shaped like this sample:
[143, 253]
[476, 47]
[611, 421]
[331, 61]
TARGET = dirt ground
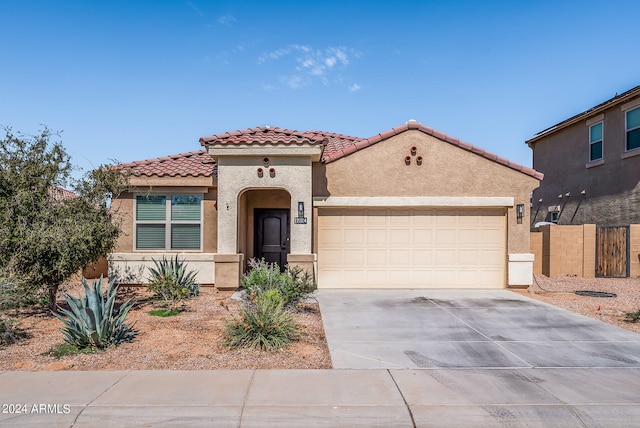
[191, 340]
[561, 292]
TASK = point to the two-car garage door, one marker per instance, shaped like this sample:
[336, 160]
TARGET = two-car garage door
[411, 248]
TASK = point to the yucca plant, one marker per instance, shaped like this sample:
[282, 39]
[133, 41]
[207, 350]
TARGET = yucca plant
[263, 324]
[294, 284]
[92, 320]
[171, 281]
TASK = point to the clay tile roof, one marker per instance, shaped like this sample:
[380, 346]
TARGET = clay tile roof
[261, 135]
[335, 146]
[191, 164]
[60, 194]
[334, 152]
[333, 142]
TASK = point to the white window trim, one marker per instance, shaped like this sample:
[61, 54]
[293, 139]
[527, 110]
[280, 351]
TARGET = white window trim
[167, 223]
[601, 140]
[627, 130]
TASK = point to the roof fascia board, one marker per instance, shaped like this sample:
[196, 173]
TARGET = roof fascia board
[313, 151]
[613, 102]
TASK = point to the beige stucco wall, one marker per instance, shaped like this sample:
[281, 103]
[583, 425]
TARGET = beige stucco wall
[239, 173]
[447, 170]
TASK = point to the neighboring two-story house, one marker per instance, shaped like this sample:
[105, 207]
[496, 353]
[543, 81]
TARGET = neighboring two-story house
[591, 166]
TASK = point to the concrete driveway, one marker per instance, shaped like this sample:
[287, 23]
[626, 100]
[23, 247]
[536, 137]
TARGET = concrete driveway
[396, 329]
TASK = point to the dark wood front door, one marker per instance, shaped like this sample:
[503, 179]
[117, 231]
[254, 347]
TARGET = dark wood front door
[272, 235]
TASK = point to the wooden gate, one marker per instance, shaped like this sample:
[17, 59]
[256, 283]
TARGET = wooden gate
[612, 251]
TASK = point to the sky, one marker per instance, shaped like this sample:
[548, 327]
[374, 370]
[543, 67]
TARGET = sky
[132, 80]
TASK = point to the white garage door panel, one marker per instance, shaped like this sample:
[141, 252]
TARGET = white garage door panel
[418, 248]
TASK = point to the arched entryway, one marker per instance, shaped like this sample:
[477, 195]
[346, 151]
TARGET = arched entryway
[264, 225]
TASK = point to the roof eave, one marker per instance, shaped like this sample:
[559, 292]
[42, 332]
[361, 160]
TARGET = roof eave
[612, 102]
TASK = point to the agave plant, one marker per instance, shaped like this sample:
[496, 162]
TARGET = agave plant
[92, 320]
[171, 281]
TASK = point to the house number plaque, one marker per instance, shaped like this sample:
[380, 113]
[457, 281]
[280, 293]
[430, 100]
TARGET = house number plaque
[300, 220]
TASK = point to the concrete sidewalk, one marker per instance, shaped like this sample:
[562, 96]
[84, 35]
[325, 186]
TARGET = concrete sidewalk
[582, 397]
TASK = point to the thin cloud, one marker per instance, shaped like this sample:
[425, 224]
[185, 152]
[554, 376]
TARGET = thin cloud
[355, 87]
[195, 8]
[226, 20]
[311, 64]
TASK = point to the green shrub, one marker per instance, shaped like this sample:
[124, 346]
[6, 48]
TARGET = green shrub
[164, 313]
[64, 349]
[92, 320]
[9, 333]
[298, 285]
[17, 293]
[294, 284]
[171, 282]
[262, 324]
[632, 316]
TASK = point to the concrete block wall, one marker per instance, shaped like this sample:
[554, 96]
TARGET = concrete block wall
[566, 250]
[535, 245]
[571, 250]
[589, 250]
[634, 250]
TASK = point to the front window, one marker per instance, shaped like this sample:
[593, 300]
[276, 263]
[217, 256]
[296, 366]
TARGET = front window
[633, 128]
[595, 142]
[168, 222]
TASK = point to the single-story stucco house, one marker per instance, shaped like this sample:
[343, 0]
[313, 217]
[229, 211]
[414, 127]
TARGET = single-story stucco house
[410, 207]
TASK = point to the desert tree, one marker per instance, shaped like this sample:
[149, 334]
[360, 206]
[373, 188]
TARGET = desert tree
[48, 234]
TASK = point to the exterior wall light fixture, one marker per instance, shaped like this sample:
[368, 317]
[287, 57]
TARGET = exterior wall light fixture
[519, 212]
[300, 209]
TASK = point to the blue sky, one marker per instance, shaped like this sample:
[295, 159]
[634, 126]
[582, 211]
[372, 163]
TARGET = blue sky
[132, 80]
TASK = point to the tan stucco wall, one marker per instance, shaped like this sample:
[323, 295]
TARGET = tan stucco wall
[122, 209]
[446, 170]
[239, 173]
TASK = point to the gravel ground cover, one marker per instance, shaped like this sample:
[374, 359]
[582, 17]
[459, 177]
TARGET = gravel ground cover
[561, 292]
[191, 340]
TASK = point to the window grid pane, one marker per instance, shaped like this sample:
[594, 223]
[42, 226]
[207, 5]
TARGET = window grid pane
[633, 139]
[151, 207]
[596, 151]
[595, 133]
[185, 207]
[633, 118]
[185, 237]
[150, 236]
